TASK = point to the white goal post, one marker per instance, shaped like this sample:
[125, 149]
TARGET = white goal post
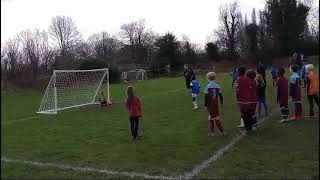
[135, 74]
[73, 88]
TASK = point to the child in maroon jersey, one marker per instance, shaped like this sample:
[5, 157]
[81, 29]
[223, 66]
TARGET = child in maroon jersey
[283, 94]
[134, 108]
[252, 100]
[212, 94]
[240, 84]
[295, 92]
[246, 96]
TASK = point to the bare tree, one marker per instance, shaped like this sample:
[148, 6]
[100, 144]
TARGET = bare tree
[12, 55]
[313, 21]
[137, 36]
[103, 45]
[46, 52]
[135, 33]
[229, 19]
[31, 49]
[64, 31]
[253, 16]
[242, 45]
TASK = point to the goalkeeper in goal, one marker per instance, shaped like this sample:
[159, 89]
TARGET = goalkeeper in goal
[104, 101]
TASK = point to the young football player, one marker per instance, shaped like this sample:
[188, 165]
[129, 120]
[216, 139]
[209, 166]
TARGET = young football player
[195, 89]
[283, 94]
[212, 96]
[312, 81]
[295, 92]
[134, 109]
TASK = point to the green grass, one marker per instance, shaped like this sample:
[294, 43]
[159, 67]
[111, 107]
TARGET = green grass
[174, 137]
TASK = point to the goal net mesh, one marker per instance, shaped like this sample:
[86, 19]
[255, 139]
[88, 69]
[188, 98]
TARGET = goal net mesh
[134, 75]
[73, 88]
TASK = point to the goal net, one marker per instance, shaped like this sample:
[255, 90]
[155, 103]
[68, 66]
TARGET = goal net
[73, 88]
[133, 75]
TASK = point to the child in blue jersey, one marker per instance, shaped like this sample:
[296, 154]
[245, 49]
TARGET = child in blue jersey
[195, 89]
[274, 75]
[234, 75]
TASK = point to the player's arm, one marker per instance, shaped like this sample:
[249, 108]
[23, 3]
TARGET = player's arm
[237, 90]
[206, 97]
[139, 105]
[185, 73]
[221, 98]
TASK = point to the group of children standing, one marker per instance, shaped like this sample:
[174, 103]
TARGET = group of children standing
[250, 95]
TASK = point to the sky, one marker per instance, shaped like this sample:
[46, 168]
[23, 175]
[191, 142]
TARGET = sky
[195, 18]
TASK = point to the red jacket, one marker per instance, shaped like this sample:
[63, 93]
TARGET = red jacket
[134, 107]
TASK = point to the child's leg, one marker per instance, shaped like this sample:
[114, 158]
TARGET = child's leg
[247, 120]
[284, 111]
[298, 110]
[254, 123]
[316, 99]
[194, 100]
[273, 82]
[310, 99]
[136, 126]
[265, 106]
[259, 106]
[132, 126]
[218, 123]
[211, 125]
[232, 83]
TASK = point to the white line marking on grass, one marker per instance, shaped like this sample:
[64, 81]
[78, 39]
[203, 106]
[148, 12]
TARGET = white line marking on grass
[19, 120]
[189, 175]
[219, 153]
[86, 169]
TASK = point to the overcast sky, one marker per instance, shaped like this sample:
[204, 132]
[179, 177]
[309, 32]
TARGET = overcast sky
[195, 18]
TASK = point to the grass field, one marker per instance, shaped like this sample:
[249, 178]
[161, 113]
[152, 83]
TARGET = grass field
[174, 137]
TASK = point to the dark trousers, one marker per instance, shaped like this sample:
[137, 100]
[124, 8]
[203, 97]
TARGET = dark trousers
[134, 122]
[249, 119]
[188, 83]
[311, 98]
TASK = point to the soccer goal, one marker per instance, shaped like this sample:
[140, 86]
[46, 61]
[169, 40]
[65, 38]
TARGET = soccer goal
[135, 74]
[74, 88]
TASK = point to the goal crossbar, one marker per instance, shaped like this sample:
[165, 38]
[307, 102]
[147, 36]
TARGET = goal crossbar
[80, 70]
